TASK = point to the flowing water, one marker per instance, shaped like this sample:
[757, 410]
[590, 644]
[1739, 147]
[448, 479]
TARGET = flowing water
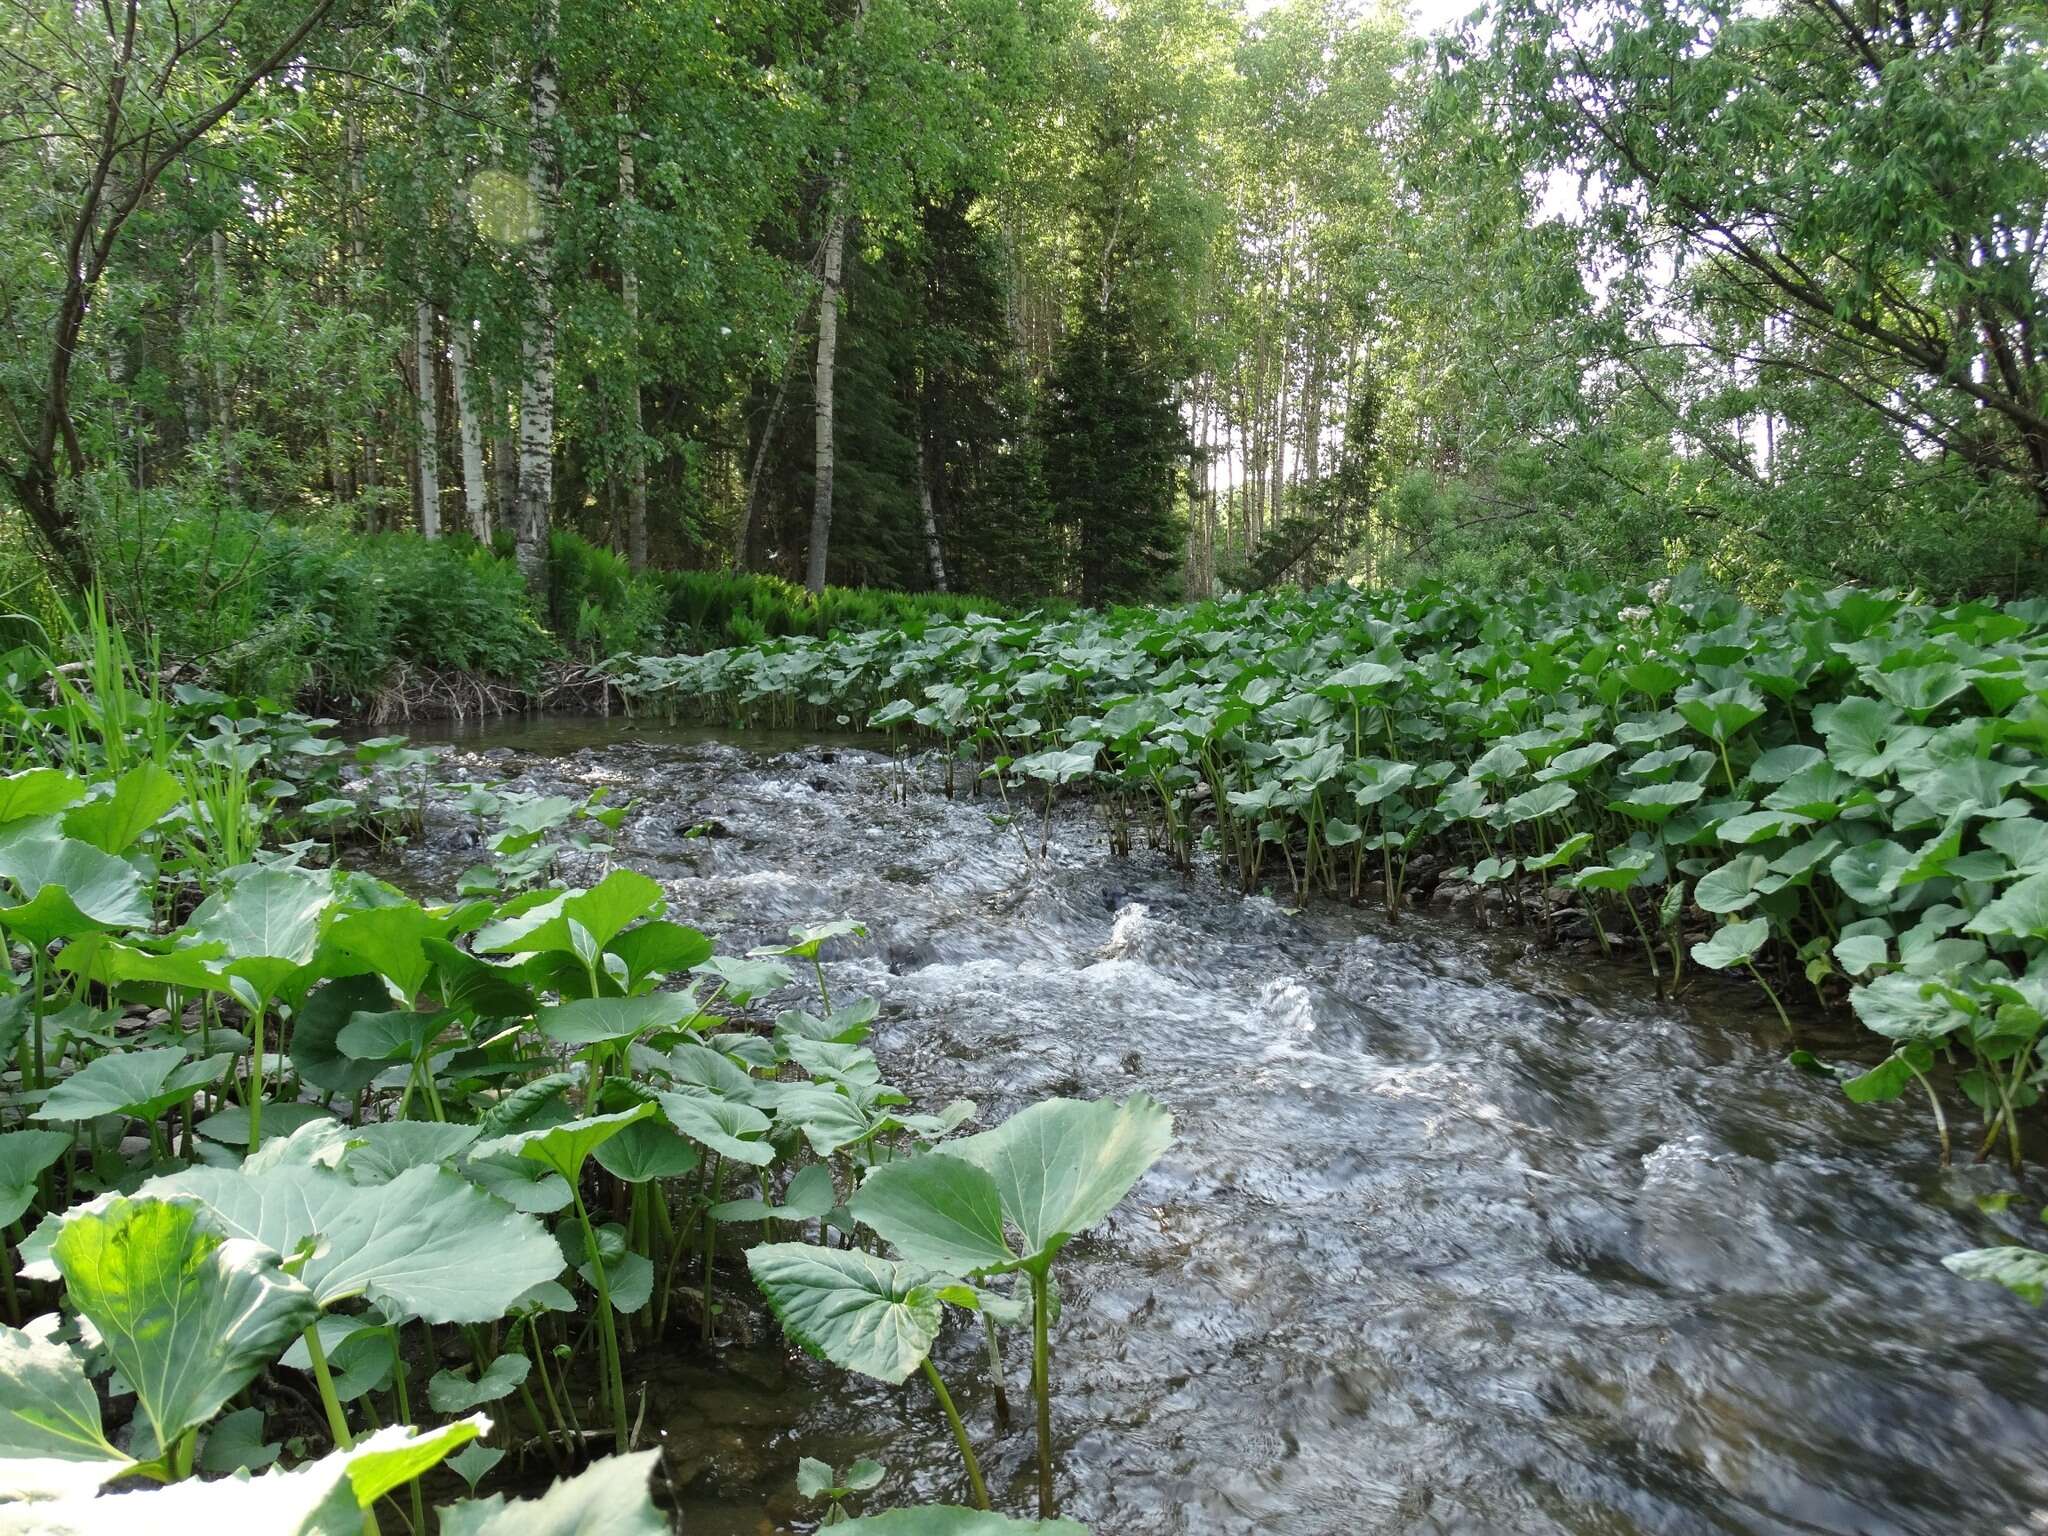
[1456, 1235]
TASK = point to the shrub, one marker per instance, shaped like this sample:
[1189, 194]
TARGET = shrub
[320, 613]
[294, 611]
[709, 610]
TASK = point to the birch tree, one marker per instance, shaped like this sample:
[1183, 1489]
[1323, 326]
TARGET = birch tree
[534, 509]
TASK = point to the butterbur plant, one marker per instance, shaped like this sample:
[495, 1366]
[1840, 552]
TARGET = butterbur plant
[290, 1155]
[1847, 786]
[1008, 1200]
[865, 1314]
[817, 1480]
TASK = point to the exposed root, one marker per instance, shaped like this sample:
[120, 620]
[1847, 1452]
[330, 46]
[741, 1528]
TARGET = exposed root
[412, 693]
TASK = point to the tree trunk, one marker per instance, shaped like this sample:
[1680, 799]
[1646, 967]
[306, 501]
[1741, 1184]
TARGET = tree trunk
[470, 429]
[537, 349]
[352, 134]
[1255, 480]
[427, 420]
[1311, 459]
[935, 552]
[828, 334]
[505, 474]
[629, 299]
[223, 401]
[1211, 482]
[828, 346]
[1276, 502]
[743, 535]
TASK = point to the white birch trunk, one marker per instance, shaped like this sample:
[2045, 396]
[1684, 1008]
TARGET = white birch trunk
[629, 299]
[935, 552]
[537, 349]
[476, 505]
[223, 401]
[427, 420]
[828, 346]
[352, 135]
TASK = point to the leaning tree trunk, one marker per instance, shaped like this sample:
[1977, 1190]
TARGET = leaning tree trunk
[743, 534]
[828, 345]
[476, 506]
[537, 350]
[629, 298]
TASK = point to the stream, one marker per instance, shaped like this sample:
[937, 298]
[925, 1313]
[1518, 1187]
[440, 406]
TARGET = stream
[1458, 1233]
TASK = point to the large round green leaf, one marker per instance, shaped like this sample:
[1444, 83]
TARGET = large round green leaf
[1733, 885]
[452, 1392]
[380, 1152]
[861, 1313]
[623, 896]
[562, 1148]
[428, 1243]
[731, 1130]
[2020, 913]
[1869, 873]
[1655, 803]
[23, 1156]
[608, 1500]
[327, 1497]
[136, 801]
[37, 792]
[1719, 715]
[269, 913]
[809, 1196]
[187, 1317]
[139, 1083]
[382, 1037]
[316, 1034]
[1052, 1171]
[939, 1210]
[390, 941]
[1063, 1164]
[646, 1150]
[68, 888]
[1901, 1007]
[268, 924]
[2023, 1271]
[661, 946]
[746, 980]
[597, 1020]
[51, 1438]
[1732, 944]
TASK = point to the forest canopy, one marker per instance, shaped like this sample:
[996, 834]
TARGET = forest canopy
[1029, 298]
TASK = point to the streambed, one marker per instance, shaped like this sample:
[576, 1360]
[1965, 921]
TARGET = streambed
[1457, 1234]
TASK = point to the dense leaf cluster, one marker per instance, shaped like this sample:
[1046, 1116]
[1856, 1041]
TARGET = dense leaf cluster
[364, 1120]
[1849, 788]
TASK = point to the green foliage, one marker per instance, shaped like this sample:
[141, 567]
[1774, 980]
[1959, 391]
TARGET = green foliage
[542, 1131]
[324, 614]
[1113, 440]
[1856, 774]
[595, 602]
[710, 610]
